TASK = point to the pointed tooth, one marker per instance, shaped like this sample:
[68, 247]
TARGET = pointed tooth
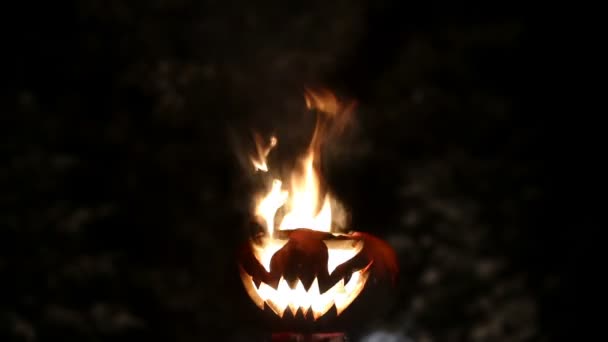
[325, 284]
[293, 283]
[292, 278]
[347, 278]
[283, 287]
[257, 281]
[274, 283]
[305, 297]
[302, 313]
[313, 292]
[307, 281]
[293, 308]
[324, 303]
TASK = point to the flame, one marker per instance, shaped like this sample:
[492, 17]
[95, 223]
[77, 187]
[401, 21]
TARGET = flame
[268, 206]
[304, 201]
[259, 161]
[305, 205]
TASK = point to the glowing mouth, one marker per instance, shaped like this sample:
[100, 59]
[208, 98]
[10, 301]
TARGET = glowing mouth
[297, 298]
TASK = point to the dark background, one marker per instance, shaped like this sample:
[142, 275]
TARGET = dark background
[124, 192]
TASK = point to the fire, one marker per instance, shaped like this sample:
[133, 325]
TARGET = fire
[304, 201]
[302, 204]
[304, 196]
[259, 161]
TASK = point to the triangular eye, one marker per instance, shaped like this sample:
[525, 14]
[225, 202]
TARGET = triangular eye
[341, 251]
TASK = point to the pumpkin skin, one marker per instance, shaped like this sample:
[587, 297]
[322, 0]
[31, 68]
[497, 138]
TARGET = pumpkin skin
[304, 258]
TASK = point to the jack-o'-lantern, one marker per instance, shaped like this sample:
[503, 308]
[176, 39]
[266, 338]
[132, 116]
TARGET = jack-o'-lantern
[301, 268]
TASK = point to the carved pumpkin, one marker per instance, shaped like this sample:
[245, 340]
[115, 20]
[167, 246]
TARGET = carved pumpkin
[300, 270]
[302, 283]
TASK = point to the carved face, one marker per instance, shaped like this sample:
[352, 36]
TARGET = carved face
[308, 273]
[312, 272]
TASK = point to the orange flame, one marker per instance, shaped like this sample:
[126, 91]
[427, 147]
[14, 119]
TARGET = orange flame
[307, 206]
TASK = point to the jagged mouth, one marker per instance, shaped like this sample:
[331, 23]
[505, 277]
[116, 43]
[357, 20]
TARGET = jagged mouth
[304, 273]
[283, 298]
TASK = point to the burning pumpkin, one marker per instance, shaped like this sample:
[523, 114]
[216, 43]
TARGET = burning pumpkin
[302, 268]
